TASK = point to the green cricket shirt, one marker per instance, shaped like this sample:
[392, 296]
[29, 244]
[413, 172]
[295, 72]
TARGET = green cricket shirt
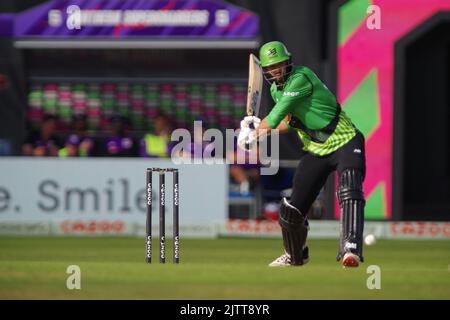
[307, 99]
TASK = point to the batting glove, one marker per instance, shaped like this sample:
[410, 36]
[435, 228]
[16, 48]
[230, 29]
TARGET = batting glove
[247, 121]
[247, 139]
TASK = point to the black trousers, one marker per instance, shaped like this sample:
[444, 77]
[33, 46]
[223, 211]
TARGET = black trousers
[312, 171]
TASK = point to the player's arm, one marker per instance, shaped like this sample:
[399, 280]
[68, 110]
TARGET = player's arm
[299, 88]
[282, 127]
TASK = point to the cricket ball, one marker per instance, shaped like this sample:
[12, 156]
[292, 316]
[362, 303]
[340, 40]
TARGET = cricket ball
[370, 240]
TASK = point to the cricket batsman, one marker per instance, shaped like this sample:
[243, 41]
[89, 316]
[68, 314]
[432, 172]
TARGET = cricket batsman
[303, 104]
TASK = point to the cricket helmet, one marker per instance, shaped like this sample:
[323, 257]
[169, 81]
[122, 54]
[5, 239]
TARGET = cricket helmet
[274, 56]
[273, 52]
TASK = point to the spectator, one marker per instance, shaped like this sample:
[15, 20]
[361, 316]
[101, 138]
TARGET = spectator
[5, 147]
[71, 147]
[156, 144]
[45, 142]
[85, 144]
[120, 144]
[39, 149]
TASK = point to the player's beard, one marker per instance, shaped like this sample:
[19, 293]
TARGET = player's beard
[281, 80]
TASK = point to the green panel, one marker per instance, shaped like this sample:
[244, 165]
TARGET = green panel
[362, 105]
[78, 87]
[36, 94]
[137, 87]
[351, 14]
[376, 204]
[152, 96]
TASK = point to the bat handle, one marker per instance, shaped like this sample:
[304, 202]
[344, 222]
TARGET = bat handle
[251, 125]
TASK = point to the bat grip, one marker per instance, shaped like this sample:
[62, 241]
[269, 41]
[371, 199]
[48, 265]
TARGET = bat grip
[251, 125]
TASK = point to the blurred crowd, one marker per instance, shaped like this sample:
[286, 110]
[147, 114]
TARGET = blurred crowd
[49, 141]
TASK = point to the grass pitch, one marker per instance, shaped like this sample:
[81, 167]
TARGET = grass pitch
[114, 268]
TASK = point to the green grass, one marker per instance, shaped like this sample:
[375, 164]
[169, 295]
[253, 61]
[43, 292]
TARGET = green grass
[114, 268]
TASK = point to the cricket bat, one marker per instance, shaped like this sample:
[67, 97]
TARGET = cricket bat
[255, 83]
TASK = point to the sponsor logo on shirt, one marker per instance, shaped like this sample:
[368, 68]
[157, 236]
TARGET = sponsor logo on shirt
[291, 94]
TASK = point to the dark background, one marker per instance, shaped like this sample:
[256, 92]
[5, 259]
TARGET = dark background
[421, 159]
